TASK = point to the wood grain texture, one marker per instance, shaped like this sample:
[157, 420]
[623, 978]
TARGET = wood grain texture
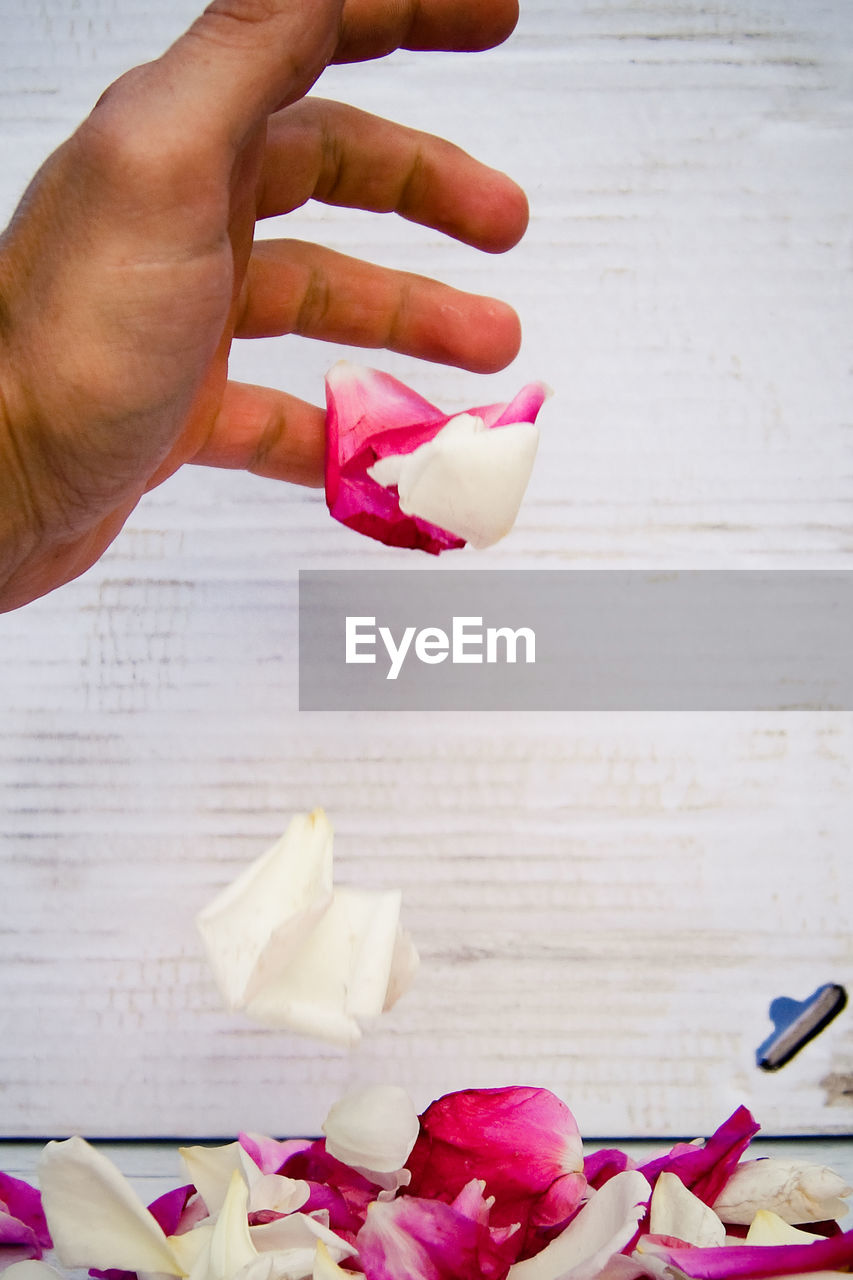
[604, 904]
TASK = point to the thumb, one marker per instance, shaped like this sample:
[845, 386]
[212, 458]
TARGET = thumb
[243, 59]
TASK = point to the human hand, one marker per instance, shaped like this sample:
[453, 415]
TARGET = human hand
[130, 266]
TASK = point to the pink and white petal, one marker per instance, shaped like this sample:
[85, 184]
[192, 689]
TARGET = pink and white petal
[254, 927]
[95, 1217]
[210, 1169]
[371, 417]
[364, 403]
[373, 1129]
[268, 1153]
[796, 1190]
[598, 1232]
[753, 1262]
[676, 1211]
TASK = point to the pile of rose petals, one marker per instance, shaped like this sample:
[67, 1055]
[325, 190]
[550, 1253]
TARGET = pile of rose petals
[488, 1183]
[401, 471]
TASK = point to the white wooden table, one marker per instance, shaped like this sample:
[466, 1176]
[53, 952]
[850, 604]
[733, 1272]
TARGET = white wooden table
[604, 904]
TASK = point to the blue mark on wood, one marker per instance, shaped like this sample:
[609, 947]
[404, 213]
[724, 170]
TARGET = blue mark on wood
[796, 1022]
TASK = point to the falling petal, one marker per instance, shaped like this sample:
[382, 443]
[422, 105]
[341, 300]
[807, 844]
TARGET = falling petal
[599, 1231]
[795, 1190]
[94, 1215]
[343, 970]
[372, 1129]
[256, 925]
[300, 956]
[676, 1211]
[405, 962]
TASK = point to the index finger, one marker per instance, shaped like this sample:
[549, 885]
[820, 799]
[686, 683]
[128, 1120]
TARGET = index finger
[374, 28]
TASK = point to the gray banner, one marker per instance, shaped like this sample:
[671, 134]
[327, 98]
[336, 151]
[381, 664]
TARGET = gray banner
[575, 641]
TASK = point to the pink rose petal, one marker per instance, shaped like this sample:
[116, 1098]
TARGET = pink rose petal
[19, 1200]
[705, 1170]
[18, 1242]
[523, 1143]
[414, 1239]
[333, 1186]
[751, 1262]
[601, 1166]
[269, 1154]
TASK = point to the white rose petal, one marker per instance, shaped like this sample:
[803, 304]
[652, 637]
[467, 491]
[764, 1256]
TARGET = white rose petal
[299, 1231]
[796, 1190]
[95, 1217]
[601, 1229]
[769, 1228]
[256, 925]
[277, 1192]
[372, 1129]
[231, 1246]
[30, 1269]
[467, 479]
[325, 1267]
[343, 972]
[298, 955]
[210, 1169]
[675, 1211]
